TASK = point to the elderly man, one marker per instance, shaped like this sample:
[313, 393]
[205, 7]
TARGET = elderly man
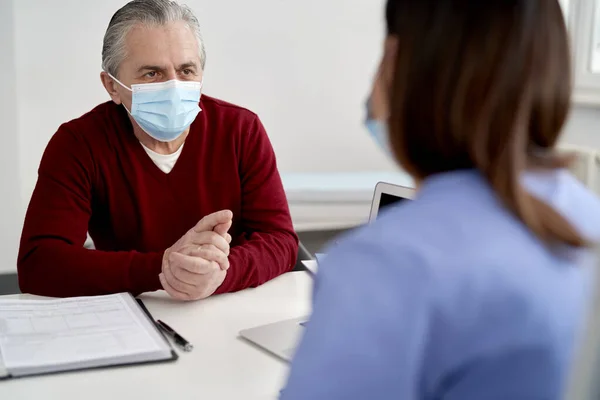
[178, 191]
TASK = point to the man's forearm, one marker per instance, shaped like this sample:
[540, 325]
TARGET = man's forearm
[55, 268]
[259, 258]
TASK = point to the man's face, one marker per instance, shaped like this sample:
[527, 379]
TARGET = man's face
[157, 54]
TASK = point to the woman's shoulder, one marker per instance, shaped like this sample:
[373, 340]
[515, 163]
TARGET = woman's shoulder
[463, 250]
[479, 293]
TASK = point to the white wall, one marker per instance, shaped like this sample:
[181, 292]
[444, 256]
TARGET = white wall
[10, 197]
[304, 66]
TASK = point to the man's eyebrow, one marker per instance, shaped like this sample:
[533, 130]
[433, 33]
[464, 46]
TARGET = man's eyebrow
[189, 64]
[150, 68]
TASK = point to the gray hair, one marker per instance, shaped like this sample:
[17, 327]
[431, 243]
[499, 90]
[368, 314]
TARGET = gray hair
[147, 12]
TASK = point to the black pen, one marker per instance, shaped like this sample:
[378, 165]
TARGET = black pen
[177, 338]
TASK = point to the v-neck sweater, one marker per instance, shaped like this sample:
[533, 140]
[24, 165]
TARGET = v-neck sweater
[96, 177]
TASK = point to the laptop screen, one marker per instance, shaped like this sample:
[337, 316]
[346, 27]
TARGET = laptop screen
[387, 200]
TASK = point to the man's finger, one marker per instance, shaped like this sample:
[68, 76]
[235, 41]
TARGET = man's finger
[228, 238]
[195, 265]
[192, 250]
[179, 285]
[185, 276]
[209, 237]
[211, 254]
[210, 221]
[171, 291]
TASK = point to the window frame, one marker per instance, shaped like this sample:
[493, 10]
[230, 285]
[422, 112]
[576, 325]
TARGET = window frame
[581, 16]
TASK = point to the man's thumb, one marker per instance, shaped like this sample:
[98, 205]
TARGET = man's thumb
[209, 222]
[222, 229]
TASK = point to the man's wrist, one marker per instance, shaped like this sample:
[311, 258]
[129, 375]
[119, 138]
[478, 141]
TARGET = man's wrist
[144, 272]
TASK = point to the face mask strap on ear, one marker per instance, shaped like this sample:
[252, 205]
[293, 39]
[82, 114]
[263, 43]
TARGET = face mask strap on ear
[118, 81]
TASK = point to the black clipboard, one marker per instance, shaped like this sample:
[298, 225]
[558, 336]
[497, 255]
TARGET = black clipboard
[174, 355]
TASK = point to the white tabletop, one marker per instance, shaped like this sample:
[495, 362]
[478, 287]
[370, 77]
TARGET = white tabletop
[221, 366]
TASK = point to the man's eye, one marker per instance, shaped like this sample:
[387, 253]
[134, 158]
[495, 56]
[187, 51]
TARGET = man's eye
[187, 72]
[151, 74]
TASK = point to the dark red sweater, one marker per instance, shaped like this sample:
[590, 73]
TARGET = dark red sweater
[95, 176]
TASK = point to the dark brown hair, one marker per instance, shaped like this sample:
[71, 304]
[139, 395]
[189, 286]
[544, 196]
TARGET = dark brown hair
[483, 84]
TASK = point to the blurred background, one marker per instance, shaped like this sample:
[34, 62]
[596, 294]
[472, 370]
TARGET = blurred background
[305, 67]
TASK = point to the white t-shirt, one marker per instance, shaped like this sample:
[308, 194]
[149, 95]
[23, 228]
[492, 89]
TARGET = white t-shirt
[164, 162]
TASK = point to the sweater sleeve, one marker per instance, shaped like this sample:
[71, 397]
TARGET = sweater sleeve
[52, 260]
[268, 245]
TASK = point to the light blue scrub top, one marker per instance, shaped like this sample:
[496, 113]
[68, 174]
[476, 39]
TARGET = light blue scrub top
[449, 297]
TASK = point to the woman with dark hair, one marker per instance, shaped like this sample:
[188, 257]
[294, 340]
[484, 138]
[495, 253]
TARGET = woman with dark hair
[477, 289]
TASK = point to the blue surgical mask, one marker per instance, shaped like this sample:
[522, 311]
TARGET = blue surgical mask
[379, 131]
[164, 110]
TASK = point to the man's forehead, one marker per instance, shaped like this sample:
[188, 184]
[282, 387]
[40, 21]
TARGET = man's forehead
[165, 45]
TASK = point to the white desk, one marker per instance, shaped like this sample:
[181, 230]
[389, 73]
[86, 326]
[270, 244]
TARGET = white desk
[221, 366]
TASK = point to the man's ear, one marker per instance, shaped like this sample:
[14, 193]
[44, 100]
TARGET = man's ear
[110, 86]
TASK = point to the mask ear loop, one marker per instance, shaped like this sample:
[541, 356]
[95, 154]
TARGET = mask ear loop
[120, 83]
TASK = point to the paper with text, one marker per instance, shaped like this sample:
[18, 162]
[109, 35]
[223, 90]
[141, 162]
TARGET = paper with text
[41, 333]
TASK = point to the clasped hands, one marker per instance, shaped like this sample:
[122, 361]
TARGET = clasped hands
[196, 265]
